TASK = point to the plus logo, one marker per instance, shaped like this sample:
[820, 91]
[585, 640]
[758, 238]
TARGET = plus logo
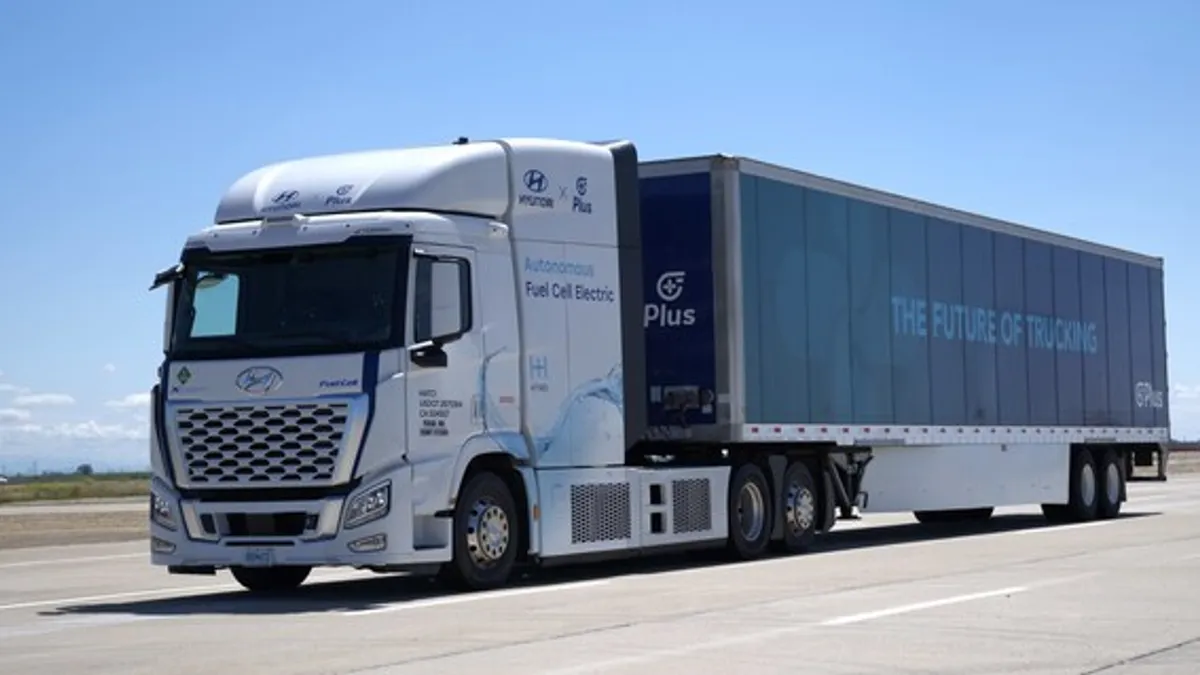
[670, 285]
[665, 313]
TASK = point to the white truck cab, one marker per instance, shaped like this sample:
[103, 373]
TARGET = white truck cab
[369, 356]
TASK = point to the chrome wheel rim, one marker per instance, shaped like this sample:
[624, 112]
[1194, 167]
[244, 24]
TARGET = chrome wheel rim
[751, 511]
[800, 508]
[1112, 483]
[488, 533]
[1087, 484]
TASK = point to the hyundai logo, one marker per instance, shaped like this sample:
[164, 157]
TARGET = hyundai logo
[536, 181]
[259, 380]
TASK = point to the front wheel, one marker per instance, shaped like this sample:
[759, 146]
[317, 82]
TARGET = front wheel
[486, 528]
[270, 579]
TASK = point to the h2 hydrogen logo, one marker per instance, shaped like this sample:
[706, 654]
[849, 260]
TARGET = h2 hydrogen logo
[669, 288]
[539, 373]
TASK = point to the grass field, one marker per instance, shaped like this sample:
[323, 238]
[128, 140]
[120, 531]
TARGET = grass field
[71, 487]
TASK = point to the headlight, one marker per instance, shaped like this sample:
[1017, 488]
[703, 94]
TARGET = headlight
[161, 511]
[369, 506]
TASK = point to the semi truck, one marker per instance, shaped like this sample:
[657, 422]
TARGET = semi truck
[466, 359]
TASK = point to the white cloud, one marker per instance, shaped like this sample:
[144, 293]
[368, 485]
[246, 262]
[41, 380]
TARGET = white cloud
[1185, 392]
[140, 400]
[109, 368]
[7, 387]
[43, 399]
[14, 415]
[88, 430]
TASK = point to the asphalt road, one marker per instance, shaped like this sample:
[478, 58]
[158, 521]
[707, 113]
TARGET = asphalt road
[1013, 596]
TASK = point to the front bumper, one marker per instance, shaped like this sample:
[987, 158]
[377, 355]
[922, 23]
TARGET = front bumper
[200, 534]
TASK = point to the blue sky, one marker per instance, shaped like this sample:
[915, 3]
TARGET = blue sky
[123, 122]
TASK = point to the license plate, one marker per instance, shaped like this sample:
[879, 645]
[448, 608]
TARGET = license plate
[260, 557]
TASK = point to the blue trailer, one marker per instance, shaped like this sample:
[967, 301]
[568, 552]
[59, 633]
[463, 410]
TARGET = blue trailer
[973, 362]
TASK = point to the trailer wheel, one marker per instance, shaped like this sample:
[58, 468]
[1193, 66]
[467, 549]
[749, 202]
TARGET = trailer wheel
[749, 512]
[486, 532]
[1083, 492]
[799, 508]
[1112, 484]
[270, 579]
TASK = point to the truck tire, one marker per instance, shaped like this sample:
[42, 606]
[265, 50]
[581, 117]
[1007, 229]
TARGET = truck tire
[749, 512]
[486, 533]
[1083, 492]
[270, 579]
[799, 508]
[1111, 477]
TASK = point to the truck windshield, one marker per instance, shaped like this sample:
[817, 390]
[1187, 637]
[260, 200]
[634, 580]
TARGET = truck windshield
[341, 298]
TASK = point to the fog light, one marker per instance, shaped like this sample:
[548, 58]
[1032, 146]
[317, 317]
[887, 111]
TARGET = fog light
[371, 544]
[160, 546]
[369, 506]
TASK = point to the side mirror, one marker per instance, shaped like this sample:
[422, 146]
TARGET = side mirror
[428, 355]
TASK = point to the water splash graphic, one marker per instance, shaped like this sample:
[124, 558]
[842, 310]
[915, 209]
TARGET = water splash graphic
[591, 416]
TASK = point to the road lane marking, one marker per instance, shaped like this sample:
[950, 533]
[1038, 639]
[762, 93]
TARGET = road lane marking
[402, 605]
[919, 606]
[759, 636]
[72, 561]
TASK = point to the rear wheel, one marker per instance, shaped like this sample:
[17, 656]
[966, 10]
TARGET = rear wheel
[1112, 484]
[799, 508]
[270, 579]
[1083, 493]
[749, 512]
[486, 532]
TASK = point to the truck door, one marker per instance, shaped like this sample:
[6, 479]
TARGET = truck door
[445, 354]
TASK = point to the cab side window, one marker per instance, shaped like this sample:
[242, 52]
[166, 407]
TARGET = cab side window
[441, 298]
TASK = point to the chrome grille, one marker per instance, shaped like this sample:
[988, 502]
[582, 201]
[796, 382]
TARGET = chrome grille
[289, 443]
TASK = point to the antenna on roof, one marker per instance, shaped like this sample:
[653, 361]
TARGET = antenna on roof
[462, 140]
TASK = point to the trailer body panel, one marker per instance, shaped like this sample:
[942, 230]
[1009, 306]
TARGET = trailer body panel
[830, 304]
